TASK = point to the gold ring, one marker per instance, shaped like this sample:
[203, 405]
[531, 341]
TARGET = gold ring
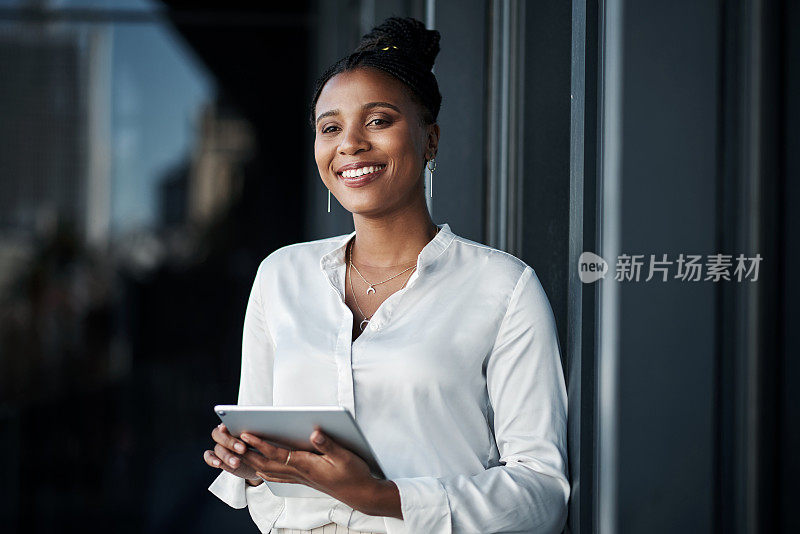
[287, 458]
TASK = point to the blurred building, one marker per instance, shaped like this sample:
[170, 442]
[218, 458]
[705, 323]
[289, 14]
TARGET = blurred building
[54, 158]
[215, 178]
[198, 191]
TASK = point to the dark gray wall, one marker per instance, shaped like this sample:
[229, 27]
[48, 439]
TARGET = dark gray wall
[788, 434]
[703, 403]
[546, 158]
[666, 440]
[459, 196]
[581, 349]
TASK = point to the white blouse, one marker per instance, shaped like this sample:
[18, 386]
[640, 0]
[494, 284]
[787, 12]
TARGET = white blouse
[456, 383]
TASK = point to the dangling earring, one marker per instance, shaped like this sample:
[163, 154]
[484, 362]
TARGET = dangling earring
[329, 200]
[432, 160]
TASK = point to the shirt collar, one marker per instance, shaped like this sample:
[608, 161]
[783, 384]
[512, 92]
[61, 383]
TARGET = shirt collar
[427, 255]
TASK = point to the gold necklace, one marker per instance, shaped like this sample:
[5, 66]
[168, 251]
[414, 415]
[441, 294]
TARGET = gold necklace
[365, 321]
[371, 287]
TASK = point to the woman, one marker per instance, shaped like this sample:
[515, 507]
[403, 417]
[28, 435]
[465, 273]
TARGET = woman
[445, 350]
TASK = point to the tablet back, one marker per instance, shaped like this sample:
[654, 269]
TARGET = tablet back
[291, 426]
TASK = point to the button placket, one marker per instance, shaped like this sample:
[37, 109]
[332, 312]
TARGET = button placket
[384, 313]
[342, 351]
[346, 376]
[344, 361]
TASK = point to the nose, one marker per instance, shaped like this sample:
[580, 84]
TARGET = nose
[352, 140]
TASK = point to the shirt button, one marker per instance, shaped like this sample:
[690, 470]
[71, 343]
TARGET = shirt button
[374, 326]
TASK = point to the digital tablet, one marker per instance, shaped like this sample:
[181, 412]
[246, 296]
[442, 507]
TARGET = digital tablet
[291, 426]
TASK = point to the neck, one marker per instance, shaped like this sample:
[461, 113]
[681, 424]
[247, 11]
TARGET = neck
[391, 241]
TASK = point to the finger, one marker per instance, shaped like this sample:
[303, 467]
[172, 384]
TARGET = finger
[269, 451]
[224, 438]
[326, 445]
[212, 459]
[227, 456]
[222, 465]
[258, 462]
[221, 435]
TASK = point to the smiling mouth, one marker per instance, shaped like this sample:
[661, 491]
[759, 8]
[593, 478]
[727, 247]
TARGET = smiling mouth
[354, 174]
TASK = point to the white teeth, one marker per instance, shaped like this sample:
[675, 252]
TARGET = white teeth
[355, 173]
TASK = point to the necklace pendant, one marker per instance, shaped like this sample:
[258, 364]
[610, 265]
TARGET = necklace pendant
[364, 324]
[370, 289]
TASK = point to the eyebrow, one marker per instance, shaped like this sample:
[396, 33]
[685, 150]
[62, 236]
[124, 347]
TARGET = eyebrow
[365, 107]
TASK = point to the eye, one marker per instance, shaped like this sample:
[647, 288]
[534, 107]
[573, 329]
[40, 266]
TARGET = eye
[331, 128]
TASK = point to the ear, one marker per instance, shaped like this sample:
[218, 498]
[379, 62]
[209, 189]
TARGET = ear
[432, 141]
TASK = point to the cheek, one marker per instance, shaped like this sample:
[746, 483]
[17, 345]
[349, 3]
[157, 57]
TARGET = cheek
[322, 156]
[404, 151]
[407, 161]
[318, 151]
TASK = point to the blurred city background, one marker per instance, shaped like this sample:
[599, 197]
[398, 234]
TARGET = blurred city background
[137, 160]
[152, 152]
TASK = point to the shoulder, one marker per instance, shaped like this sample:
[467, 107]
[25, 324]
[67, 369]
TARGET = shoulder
[501, 278]
[509, 276]
[492, 265]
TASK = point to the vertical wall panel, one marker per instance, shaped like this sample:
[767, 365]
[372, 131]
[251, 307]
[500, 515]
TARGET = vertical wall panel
[459, 178]
[546, 133]
[788, 463]
[667, 348]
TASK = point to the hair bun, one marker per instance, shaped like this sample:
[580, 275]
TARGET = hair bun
[408, 34]
[404, 49]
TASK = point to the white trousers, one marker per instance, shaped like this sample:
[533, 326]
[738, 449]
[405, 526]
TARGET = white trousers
[330, 528]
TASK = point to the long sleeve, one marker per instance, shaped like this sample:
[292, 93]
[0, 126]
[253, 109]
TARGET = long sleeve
[255, 388]
[529, 490]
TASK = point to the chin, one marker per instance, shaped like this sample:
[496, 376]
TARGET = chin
[365, 207]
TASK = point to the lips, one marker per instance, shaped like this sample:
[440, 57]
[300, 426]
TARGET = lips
[363, 179]
[358, 165]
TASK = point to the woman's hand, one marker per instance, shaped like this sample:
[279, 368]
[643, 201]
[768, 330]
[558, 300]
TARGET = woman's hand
[227, 454]
[336, 472]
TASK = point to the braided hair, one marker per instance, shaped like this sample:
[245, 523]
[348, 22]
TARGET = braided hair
[403, 48]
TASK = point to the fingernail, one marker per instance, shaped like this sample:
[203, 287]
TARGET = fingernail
[216, 463]
[318, 438]
[239, 447]
[245, 437]
[232, 461]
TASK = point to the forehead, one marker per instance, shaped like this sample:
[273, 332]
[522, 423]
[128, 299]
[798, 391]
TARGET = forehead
[347, 91]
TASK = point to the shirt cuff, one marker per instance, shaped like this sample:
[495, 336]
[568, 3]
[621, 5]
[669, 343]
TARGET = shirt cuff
[425, 507]
[265, 507]
[230, 490]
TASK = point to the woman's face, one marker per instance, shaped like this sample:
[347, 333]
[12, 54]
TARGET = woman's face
[365, 118]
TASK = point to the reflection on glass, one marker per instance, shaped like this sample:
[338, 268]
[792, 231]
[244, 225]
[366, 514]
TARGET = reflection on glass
[114, 152]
